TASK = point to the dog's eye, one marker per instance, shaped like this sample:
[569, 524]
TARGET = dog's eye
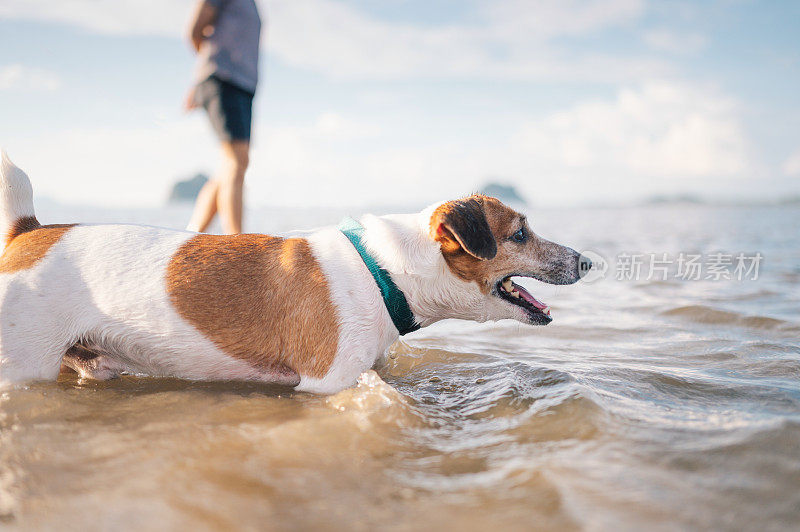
[519, 236]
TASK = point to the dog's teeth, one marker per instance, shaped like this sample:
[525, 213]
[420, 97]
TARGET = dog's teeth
[515, 294]
[508, 285]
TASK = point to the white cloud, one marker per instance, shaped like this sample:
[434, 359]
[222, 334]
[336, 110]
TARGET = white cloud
[507, 19]
[791, 166]
[509, 39]
[20, 77]
[678, 43]
[335, 125]
[138, 165]
[652, 138]
[657, 137]
[112, 166]
[513, 40]
[526, 20]
[116, 17]
[661, 129]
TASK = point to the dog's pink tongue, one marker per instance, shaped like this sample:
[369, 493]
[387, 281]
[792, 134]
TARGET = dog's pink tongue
[529, 298]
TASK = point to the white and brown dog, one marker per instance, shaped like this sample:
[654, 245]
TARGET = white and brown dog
[309, 312]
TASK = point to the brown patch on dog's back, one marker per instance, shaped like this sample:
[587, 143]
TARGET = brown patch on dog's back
[259, 298]
[28, 242]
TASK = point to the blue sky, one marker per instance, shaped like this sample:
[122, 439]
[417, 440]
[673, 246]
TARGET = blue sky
[408, 102]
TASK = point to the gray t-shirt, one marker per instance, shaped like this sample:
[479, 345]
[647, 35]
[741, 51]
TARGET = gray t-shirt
[231, 52]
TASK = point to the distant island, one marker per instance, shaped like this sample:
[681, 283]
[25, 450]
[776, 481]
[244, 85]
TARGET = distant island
[675, 198]
[791, 200]
[505, 193]
[188, 189]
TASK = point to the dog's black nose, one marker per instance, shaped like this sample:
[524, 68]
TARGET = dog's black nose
[584, 265]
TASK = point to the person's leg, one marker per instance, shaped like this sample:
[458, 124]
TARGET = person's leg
[209, 94]
[224, 193]
[230, 184]
[230, 111]
[205, 207]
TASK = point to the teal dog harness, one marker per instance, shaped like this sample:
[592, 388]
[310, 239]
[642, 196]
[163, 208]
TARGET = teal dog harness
[393, 297]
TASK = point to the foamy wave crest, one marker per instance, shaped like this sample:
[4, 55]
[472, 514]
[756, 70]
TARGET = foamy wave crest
[713, 316]
[370, 395]
[373, 400]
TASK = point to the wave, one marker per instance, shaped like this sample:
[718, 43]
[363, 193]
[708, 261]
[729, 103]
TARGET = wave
[713, 316]
[374, 401]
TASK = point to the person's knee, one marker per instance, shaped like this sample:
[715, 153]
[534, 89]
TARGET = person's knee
[210, 187]
[231, 181]
[238, 152]
[242, 161]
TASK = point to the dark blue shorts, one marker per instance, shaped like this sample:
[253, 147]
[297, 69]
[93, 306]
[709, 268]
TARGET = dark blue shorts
[229, 108]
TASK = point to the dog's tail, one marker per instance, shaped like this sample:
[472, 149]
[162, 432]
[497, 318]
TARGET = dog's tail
[16, 202]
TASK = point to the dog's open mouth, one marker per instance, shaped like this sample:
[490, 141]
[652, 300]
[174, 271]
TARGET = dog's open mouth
[537, 311]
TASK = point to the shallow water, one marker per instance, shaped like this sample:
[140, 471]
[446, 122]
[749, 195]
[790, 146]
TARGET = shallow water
[657, 404]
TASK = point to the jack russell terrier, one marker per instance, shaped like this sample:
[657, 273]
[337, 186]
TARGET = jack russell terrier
[312, 312]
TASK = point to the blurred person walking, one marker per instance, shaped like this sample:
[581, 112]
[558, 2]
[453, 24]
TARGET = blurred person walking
[225, 35]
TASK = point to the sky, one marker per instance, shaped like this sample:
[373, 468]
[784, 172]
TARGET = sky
[406, 102]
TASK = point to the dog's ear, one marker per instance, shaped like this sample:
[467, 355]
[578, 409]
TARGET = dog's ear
[462, 224]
